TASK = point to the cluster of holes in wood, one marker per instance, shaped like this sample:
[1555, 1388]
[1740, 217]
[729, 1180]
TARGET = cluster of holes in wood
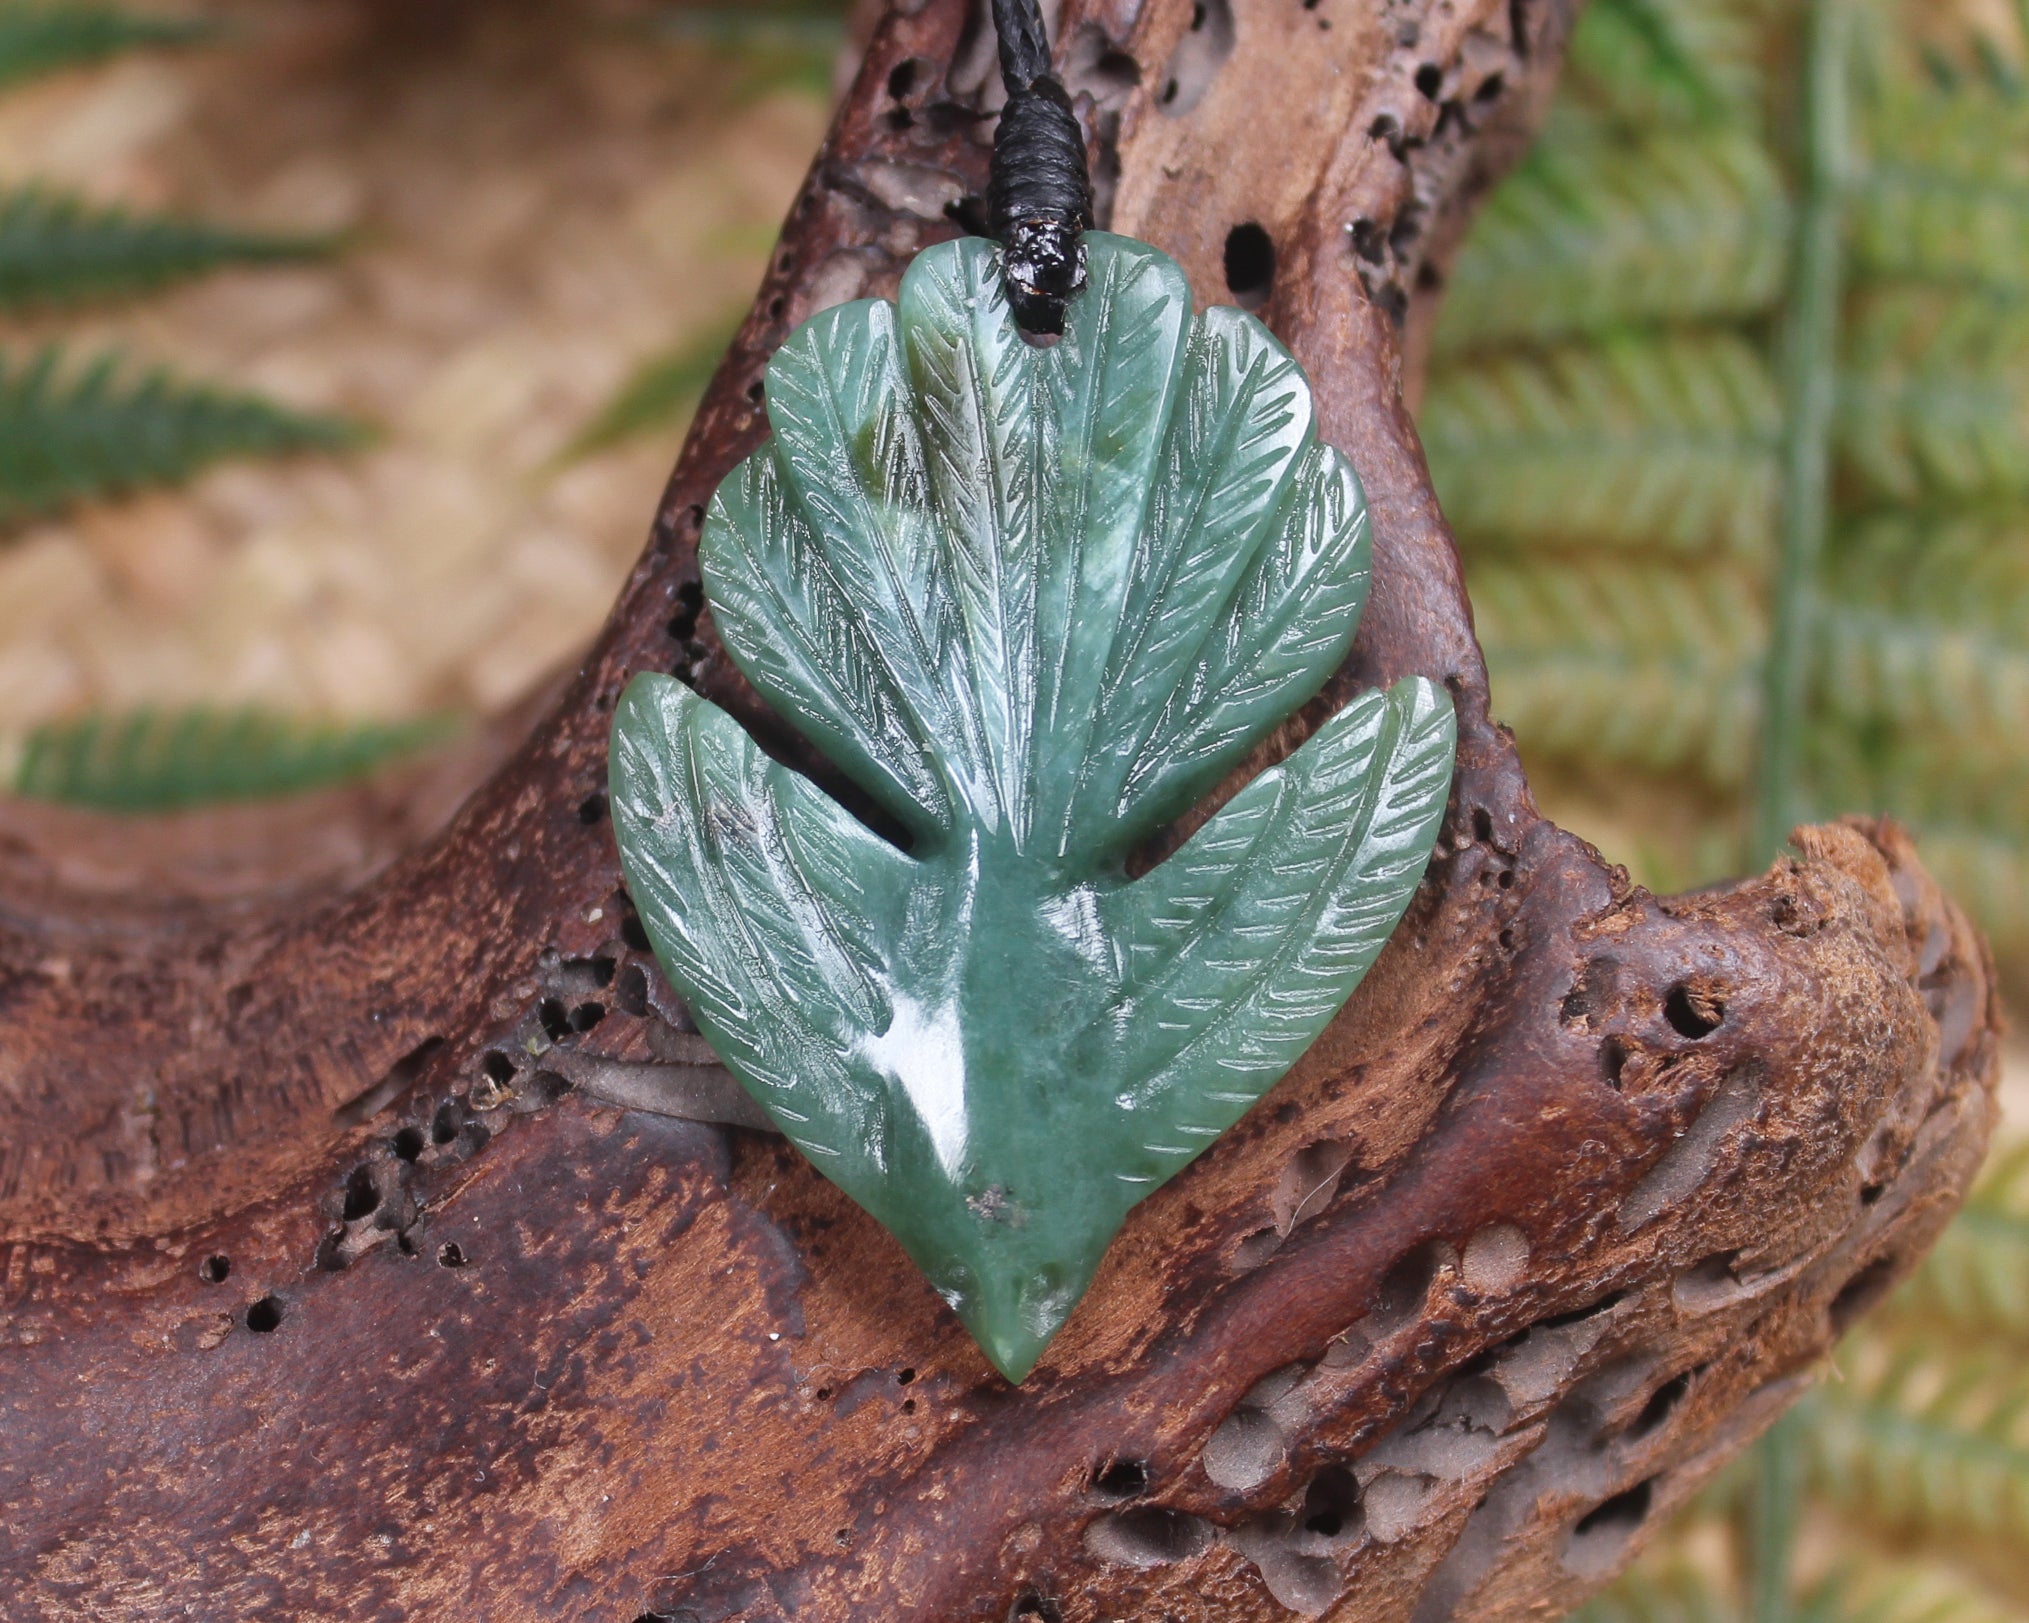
[688, 600]
[1383, 251]
[1600, 998]
[1599, 1437]
[263, 1314]
[384, 1197]
[1495, 860]
[1595, 1463]
[1643, 1036]
[917, 104]
[1516, 1424]
[869, 1386]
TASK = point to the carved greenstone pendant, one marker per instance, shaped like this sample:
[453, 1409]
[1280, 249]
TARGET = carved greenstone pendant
[1035, 602]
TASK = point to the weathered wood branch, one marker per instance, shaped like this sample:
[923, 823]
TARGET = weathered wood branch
[338, 1282]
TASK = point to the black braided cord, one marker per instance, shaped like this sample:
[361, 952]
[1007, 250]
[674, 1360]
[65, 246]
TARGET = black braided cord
[1039, 193]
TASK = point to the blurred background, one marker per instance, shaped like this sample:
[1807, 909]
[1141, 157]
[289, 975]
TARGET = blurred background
[1729, 405]
[405, 305]
[344, 350]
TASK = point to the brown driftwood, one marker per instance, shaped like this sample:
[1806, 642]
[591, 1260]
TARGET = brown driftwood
[329, 1295]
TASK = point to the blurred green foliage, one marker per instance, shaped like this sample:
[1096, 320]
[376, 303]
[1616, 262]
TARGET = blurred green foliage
[660, 393]
[38, 38]
[1620, 421]
[150, 761]
[67, 434]
[70, 432]
[58, 250]
[760, 47]
[73, 431]
[1608, 413]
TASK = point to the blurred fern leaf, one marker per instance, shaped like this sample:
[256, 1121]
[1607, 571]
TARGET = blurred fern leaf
[159, 761]
[1934, 399]
[1926, 1442]
[37, 38]
[1886, 669]
[1616, 444]
[59, 250]
[659, 395]
[67, 433]
[73, 432]
[769, 44]
[1947, 199]
[1607, 427]
[1626, 664]
[1610, 232]
[1977, 1278]
[1650, 63]
[1604, 423]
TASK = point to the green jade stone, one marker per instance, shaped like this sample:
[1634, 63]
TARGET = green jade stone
[1035, 603]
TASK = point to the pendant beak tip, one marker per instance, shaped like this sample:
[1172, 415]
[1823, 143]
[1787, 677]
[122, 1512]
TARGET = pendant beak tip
[1015, 1356]
[1011, 1339]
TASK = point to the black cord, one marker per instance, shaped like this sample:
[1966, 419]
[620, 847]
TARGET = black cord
[1039, 193]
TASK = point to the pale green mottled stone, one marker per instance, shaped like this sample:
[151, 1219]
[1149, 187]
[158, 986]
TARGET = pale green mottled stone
[1035, 602]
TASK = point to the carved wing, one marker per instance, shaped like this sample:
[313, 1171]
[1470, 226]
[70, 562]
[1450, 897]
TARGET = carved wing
[1239, 949]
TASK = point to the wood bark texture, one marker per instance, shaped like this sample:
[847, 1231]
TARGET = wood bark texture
[359, 1262]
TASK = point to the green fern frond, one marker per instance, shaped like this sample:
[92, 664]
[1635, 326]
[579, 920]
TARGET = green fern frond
[37, 38]
[659, 394]
[1923, 225]
[1964, 566]
[1928, 679]
[1583, 240]
[1637, 442]
[1934, 398]
[153, 761]
[1668, 1591]
[1925, 1443]
[768, 46]
[1977, 1277]
[69, 434]
[59, 250]
[1657, 63]
[1923, 677]
[1642, 667]
[1936, 779]
[1971, 131]
[1913, 292]
[1874, 1589]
